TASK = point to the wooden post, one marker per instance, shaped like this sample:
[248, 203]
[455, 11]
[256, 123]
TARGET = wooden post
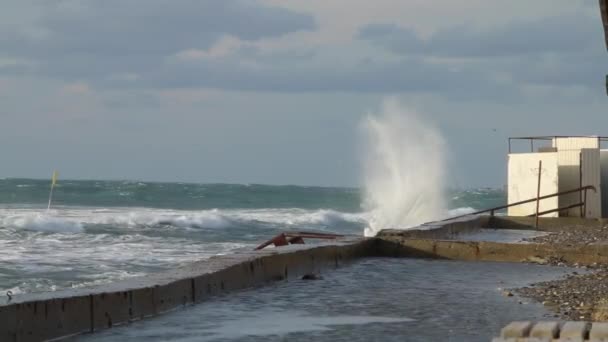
[540, 170]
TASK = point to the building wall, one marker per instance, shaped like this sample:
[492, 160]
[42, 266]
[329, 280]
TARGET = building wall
[569, 161]
[591, 175]
[604, 181]
[523, 182]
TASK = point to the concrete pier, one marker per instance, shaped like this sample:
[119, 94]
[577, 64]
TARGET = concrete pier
[47, 316]
[441, 240]
[56, 315]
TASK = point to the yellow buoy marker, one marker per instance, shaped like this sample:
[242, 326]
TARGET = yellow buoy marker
[53, 182]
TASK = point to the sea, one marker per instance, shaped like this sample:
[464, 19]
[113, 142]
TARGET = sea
[101, 231]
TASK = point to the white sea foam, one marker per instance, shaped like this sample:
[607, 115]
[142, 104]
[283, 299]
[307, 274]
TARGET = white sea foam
[43, 252]
[403, 169]
[218, 219]
[41, 222]
[301, 217]
[151, 217]
[460, 211]
[74, 219]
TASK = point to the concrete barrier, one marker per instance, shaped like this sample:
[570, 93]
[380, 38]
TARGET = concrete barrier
[439, 230]
[549, 224]
[46, 316]
[492, 251]
[439, 240]
[526, 331]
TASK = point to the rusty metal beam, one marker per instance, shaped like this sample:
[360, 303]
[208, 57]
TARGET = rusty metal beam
[287, 238]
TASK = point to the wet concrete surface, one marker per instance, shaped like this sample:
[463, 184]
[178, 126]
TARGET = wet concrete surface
[501, 235]
[375, 299]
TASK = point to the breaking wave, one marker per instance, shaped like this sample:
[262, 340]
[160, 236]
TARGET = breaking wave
[403, 169]
[42, 222]
[77, 220]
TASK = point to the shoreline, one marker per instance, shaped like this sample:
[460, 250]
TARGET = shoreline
[581, 295]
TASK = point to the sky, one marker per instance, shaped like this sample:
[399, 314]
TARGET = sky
[274, 91]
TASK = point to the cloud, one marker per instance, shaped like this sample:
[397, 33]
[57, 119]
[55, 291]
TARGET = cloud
[121, 27]
[563, 50]
[75, 40]
[78, 88]
[557, 34]
[234, 45]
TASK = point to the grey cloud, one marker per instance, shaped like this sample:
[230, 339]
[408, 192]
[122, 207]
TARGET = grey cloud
[580, 69]
[157, 27]
[106, 38]
[555, 51]
[561, 34]
[414, 75]
[93, 40]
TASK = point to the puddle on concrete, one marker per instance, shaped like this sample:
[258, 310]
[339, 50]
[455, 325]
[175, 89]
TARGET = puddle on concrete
[375, 299]
[500, 235]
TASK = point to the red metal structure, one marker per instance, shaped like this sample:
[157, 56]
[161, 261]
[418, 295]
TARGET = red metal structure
[287, 238]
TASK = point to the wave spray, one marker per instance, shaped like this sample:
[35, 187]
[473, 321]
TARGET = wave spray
[403, 169]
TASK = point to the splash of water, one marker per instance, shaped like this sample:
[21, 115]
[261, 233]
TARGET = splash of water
[403, 169]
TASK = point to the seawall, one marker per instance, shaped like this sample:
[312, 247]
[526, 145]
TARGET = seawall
[60, 314]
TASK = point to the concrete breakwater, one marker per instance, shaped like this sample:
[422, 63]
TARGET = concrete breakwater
[447, 240]
[47, 316]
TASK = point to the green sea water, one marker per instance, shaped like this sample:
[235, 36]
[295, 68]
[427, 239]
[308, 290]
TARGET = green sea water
[99, 231]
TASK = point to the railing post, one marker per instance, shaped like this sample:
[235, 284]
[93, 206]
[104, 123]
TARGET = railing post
[531, 145]
[540, 170]
[580, 183]
[585, 203]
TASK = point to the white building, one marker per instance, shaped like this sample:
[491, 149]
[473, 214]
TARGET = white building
[566, 163]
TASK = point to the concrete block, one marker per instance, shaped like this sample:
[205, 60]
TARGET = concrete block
[170, 296]
[51, 316]
[47, 319]
[574, 331]
[547, 330]
[204, 287]
[516, 329]
[8, 323]
[522, 339]
[599, 332]
[110, 309]
[142, 303]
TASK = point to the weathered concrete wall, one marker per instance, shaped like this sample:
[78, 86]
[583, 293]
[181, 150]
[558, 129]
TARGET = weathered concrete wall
[569, 160]
[439, 230]
[591, 175]
[523, 182]
[492, 251]
[549, 224]
[38, 317]
[439, 242]
[44, 316]
[604, 181]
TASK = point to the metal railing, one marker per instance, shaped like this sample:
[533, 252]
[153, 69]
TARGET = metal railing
[532, 140]
[582, 204]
